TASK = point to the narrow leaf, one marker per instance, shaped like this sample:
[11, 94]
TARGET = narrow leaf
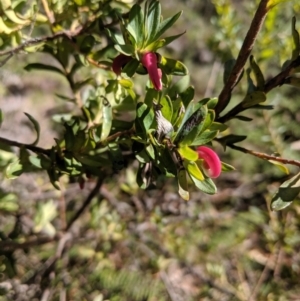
[39, 66]
[166, 24]
[107, 119]
[206, 186]
[193, 169]
[183, 188]
[153, 20]
[36, 127]
[296, 40]
[286, 193]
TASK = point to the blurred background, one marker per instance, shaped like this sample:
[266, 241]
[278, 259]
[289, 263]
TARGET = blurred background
[151, 245]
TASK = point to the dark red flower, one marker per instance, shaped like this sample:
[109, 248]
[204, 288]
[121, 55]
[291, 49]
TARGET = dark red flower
[119, 62]
[149, 61]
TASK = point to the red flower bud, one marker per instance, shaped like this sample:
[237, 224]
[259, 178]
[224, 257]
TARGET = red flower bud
[149, 61]
[119, 62]
[212, 163]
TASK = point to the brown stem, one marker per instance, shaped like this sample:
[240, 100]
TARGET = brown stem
[265, 156]
[33, 148]
[33, 41]
[276, 81]
[243, 56]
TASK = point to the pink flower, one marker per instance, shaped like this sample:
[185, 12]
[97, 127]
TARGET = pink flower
[119, 62]
[149, 61]
[212, 163]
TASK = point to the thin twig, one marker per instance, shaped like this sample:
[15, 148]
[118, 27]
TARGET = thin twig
[31, 147]
[34, 41]
[8, 245]
[276, 81]
[86, 203]
[5, 60]
[48, 12]
[263, 276]
[265, 156]
[243, 56]
[279, 79]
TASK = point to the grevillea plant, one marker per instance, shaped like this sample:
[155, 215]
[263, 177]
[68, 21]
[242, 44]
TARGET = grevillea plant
[166, 129]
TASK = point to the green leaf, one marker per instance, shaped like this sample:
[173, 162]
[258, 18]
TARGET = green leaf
[150, 151]
[126, 83]
[39, 66]
[35, 47]
[143, 175]
[193, 170]
[260, 80]
[13, 170]
[11, 15]
[153, 20]
[190, 110]
[116, 156]
[251, 87]
[263, 107]
[286, 193]
[191, 124]
[178, 112]
[183, 188]
[143, 156]
[92, 161]
[212, 103]
[208, 121]
[230, 139]
[36, 127]
[136, 25]
[155, 45]
[125, 49]
[193, 127]
[145, 116]
[166, 24]
[179, 87]
[226, 167]
[187, 96]
[9, 203]
[170, 39]
[87, 44]
[254, 98]
[188, 153]
[131, 67]
[217, 126]
[117, 38]
[280, 166]
[296, 40]
[171, 66]
[242, 118]
[107, 119]
[40, 161]
[204, 138]
[167, 107]
[207, 186]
